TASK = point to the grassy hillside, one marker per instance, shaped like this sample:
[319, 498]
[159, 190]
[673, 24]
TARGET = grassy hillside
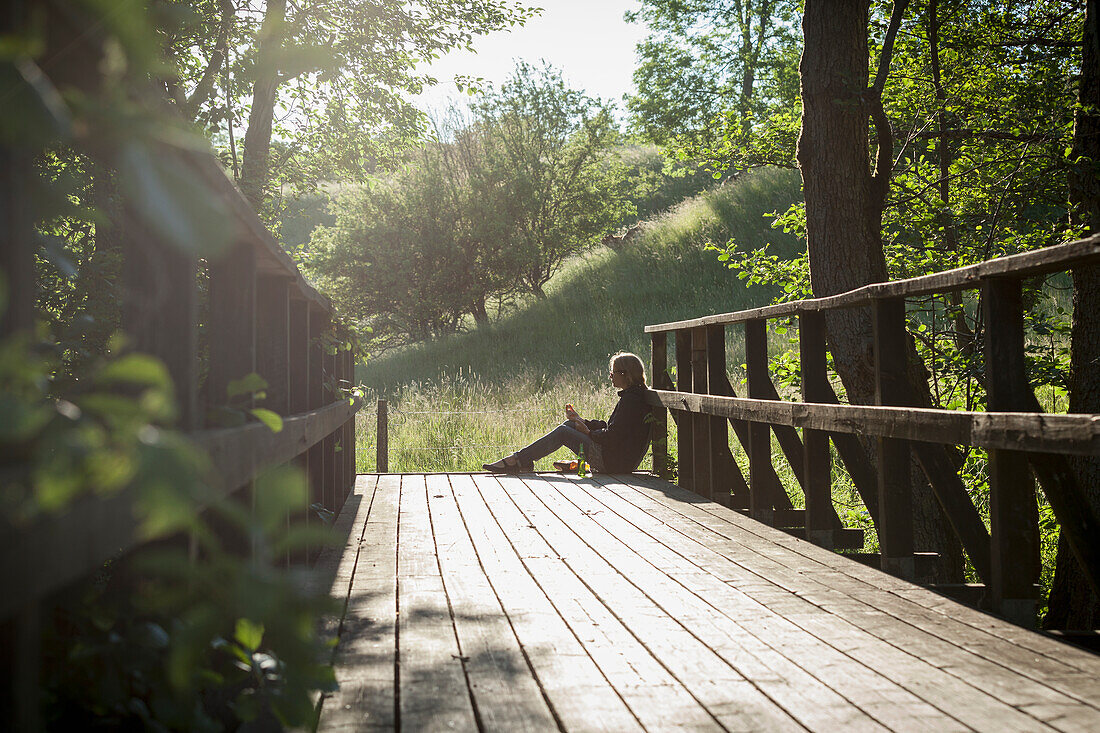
[600, 303]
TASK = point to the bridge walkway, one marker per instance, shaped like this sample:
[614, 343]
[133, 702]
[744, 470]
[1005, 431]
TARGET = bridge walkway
[617, 603]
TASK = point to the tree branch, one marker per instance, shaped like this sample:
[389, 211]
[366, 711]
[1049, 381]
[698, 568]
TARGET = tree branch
[880, 179]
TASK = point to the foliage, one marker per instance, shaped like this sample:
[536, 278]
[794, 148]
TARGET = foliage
[718, 82]
[493, 206]
[329, 80]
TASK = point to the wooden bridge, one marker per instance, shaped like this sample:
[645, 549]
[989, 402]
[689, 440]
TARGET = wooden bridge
[544, 602]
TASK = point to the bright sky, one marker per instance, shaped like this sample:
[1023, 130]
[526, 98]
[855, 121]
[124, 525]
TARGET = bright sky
[587, 40]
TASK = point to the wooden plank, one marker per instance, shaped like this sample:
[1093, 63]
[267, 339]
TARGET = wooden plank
[160, 311]
[672, 582]
[503, 684]
[273, 341]
[895, 491]
[847, 599]
[761, 471]
[576, 688]
[434, 692]
[1013, 514]
[1027, 431]
[662, 616]
[1057, 258]
[702, 478]
[817, 471]
[366, 658]
[578, 585]
[232, 327]
[685, 442]
[319, 323]
[658, 371]
[804, 663]
[1017, 652]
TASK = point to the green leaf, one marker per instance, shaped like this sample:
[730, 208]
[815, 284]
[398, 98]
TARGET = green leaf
[279, 491]
[247, 384]
[270, 418]
[140, 369]
[249, 633]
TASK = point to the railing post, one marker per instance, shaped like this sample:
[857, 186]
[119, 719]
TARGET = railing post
[700, 423]
[318, 324]
[818, 464]
[685, 446]
[1013, 514]
[273, 346]
[895, 513]
[761, 472]
[232, 339]
[349, 428]
[382, 444]
[718, 449]
[658, 372]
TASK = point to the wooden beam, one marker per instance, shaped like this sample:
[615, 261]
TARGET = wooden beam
[658, 437]
[231, 323]
[817, 481]
[895, 491]
[700, 424]
[761, 471]
[273, 340]
[718, 449]
[685, 454]
[1013, 514]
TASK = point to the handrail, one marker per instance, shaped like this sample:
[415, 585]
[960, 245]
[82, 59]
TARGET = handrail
[1021, 439]
[1056, 258]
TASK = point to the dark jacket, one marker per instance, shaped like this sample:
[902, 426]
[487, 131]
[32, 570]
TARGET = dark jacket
[623, 439]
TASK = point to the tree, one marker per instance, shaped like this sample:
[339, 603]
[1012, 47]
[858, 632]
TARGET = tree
[718, 80]
[548, 146]
[328, 79]
[1073, 604]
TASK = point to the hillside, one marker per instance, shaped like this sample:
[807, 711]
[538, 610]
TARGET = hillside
[600, 303]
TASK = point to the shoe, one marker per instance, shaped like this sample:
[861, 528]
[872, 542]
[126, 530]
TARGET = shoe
[512, 468]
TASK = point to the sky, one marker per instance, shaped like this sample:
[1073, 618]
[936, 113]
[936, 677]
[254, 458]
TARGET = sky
[587, 40]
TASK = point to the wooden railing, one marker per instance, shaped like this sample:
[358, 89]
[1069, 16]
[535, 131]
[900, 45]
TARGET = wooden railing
[1020, 438]
[261, 316]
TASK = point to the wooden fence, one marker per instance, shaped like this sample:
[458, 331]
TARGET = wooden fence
[1021, 440]
[260, 316]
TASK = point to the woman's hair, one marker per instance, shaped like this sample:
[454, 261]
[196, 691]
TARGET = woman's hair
[630, 365]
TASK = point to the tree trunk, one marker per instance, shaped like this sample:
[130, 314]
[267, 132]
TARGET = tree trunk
[481, 314]
[844, 220]
[256, 167]
[1073, 605]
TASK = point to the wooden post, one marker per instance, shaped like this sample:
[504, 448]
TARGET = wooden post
[318, 324]
[16, 242]
[339, 462]
[817, 483]
[382, 444]
[658, 369]
[895, 503]
[718, 432]
[700, 423]
[331, 476]
[273, 340]
[761, 470]
[232, 342]
[1013, 514]
[350, 428]
[684, 440]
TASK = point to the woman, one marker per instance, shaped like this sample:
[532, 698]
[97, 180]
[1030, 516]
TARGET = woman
[615, 446]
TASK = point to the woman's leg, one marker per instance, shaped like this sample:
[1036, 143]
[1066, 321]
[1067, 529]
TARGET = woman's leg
[562, 436]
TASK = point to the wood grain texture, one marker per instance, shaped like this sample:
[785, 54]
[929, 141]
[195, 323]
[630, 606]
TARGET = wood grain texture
[547, 602]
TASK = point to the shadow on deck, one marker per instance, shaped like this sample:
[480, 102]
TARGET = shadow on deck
[545, 602]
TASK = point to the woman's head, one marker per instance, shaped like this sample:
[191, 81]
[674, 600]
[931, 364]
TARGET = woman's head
[630, 367]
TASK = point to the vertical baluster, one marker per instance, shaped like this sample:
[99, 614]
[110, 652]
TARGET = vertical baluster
[895, 525]
[273, 346]
[684, 442]
[700, 423]
[232, 341]
[658, 373]
[818, 464]
[298, 388]
[339, 381]
[318, 324]
[718, 448]
[330, 439]
[761, 472]
[349, 356]
[382, 460]
[1012, 507]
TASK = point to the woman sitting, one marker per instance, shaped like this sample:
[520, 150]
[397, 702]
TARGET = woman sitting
[615, 446]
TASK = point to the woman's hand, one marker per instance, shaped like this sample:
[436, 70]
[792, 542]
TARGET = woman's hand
[579, 425]
[571, 414]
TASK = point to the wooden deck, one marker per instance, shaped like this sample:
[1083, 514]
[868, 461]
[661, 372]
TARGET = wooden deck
[543, 602]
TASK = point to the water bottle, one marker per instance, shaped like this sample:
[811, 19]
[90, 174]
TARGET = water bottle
[581, 470]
